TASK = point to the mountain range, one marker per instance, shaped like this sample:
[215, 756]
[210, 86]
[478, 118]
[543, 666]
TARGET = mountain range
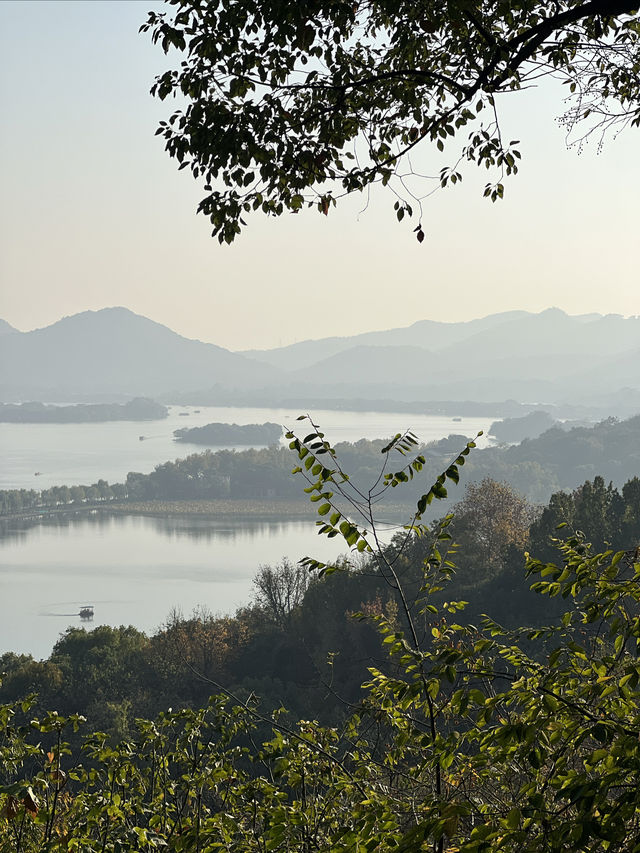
[549, 358]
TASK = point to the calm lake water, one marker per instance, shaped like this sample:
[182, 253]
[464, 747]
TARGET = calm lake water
[81, 454]
[134, 570]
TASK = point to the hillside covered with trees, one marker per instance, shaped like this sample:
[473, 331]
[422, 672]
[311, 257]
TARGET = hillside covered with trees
[535, 468]
[515, 700]
[493, 708]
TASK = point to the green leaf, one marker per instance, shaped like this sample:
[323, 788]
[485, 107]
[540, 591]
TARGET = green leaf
[439, 491]
[513, 818]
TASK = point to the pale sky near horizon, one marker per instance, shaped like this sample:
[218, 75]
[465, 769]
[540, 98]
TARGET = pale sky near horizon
[94, 213]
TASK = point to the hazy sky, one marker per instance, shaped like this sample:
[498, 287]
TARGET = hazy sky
[94, 213]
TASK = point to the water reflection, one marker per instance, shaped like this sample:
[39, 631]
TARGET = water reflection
[209, 529]
[134, 569]
[13, 530]
[18, 529]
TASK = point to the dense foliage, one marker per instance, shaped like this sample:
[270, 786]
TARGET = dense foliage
[290, 105]
[610, 518]
[462, 738]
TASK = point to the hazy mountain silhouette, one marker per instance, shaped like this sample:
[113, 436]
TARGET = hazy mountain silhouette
[114, 351]
[7, 329]
[549, 358]
[429, 334]
[517, 332]
[546, 357]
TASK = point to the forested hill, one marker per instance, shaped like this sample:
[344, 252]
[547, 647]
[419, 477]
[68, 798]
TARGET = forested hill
[252, 435]
[536, 468]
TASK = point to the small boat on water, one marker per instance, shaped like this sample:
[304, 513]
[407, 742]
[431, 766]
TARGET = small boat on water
[86, 612]
[38, 474]
[140, 438]
[457, 419]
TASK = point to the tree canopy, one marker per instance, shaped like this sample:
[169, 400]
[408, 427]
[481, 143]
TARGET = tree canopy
[464, 738]
[289, 105]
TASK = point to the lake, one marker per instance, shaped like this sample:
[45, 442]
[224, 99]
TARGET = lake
[134, 570]
[81, 454]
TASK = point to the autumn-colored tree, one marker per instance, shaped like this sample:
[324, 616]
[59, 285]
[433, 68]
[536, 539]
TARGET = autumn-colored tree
[203, 644]
[489, 519]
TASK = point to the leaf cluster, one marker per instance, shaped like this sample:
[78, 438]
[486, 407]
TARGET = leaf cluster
[287, 106]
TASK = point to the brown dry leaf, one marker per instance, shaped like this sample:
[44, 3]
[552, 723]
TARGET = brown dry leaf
[59, 776]
[12, 808]
[30, 802]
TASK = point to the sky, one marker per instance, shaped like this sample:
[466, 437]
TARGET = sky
[94, 213]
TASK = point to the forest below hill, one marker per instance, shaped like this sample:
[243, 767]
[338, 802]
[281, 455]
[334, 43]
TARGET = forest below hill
[558, 459]
[296, 644]
[374, 657]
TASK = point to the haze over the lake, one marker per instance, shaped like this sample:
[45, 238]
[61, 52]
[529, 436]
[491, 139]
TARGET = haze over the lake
[95, 214]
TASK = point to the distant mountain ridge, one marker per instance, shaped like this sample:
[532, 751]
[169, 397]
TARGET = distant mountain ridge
[512, 327]
[549, 359]
[430, 334]
[114, 351]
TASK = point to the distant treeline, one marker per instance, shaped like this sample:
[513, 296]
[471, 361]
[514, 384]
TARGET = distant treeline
[536, 468]
[23, 500]
[219, 395]
[252, 473]
[138, 409]
[220, 434]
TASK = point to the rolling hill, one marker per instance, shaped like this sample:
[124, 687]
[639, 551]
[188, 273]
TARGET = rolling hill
[116, 352]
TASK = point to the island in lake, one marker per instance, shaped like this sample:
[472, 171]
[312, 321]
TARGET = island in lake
[138, 409]
[221, 434]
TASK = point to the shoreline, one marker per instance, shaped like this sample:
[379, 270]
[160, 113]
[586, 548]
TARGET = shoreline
[240, 507]
[213, 508]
